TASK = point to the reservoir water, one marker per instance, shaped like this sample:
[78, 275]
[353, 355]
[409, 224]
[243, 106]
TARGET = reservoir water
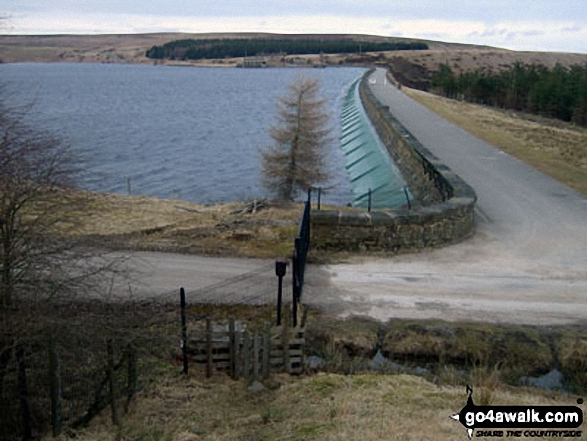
[177, 132]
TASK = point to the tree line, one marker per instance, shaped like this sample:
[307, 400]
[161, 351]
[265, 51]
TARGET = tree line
[557, 92]
[192, 49]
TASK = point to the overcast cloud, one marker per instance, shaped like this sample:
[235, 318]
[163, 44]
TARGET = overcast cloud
[522, 25]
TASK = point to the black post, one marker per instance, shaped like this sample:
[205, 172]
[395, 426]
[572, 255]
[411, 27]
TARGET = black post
[184, 332]
[280, 270]
[296, 279]
[369, 202]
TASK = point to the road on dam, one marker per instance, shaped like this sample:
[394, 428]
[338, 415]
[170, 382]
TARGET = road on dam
[527, 262]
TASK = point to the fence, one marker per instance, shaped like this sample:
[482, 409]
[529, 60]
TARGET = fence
[244, 354]
[302, 244]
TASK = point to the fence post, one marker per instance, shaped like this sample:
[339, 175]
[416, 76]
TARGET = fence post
[247, 356]
[266, 349]
[56, 389]
[24, 395]
[128, 185]
[296, 279]
[319, 197]
[256, 356]
[132, 379]
[369, 201]
[184, 331]
[237, 357]
[112, 383]
[285, 346]
[304, 317]
[231, 348]
[208, 347]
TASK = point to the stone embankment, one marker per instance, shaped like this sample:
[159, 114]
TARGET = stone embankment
[441, 212]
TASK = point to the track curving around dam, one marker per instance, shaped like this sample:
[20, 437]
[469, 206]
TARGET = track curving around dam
[527, 262]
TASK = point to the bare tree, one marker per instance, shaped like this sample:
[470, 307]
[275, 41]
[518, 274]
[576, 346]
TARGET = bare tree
[42, 264]
[36, 172]
[297, 159]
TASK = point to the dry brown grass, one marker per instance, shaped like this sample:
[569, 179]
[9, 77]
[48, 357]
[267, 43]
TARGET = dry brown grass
[147, 223]
[176, 226]
[556, 148]
[473, 58]
[321, 407]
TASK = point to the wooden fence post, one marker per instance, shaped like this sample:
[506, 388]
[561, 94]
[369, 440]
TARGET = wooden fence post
[208, 347]
[132, 379]
[237, 356]
[111, 382]
[256, 356]
[247, 356]
[23, 390]
[266, 349]
[184, 332]
[56, 389]
[304, 318]
[231, 349]
[285, 344]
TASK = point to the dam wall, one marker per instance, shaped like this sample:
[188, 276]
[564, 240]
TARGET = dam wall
[441, 211]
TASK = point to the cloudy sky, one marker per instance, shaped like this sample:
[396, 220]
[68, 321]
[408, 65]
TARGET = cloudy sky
[544, 25]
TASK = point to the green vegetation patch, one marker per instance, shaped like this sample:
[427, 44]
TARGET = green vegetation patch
[193, 49]
[524, 350]
[559, 92]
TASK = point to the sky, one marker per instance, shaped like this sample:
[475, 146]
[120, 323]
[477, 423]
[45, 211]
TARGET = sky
[535, 25]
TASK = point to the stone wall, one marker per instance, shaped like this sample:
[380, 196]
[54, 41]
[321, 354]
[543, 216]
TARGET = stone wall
[441, 214]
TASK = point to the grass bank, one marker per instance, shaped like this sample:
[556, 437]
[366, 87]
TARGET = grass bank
[259, 229]
[556, 148]
[320, 407]
[334, 405]
[152, 224]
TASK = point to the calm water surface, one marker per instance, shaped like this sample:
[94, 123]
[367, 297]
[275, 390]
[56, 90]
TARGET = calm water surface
[187, 133]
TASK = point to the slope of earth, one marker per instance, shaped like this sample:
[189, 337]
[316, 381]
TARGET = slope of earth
[131, 48]
[415, 68]
[321, 407]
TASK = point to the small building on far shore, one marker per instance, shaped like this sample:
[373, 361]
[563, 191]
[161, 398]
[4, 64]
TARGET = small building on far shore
[254, 62]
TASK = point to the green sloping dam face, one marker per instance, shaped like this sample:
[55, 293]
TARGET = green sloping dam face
[367, 161]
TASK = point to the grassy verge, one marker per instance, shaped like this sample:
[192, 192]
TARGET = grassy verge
[445, 348]
[556, 148]
[321, 407]
[152, 224]
[144, 223]
[331, 405]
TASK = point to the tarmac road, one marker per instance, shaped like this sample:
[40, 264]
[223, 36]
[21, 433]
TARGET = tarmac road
[527, 262]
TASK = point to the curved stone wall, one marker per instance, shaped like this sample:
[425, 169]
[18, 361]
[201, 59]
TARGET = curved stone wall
[442, 214]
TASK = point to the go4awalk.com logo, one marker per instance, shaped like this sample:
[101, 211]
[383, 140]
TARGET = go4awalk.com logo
[520, 421]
